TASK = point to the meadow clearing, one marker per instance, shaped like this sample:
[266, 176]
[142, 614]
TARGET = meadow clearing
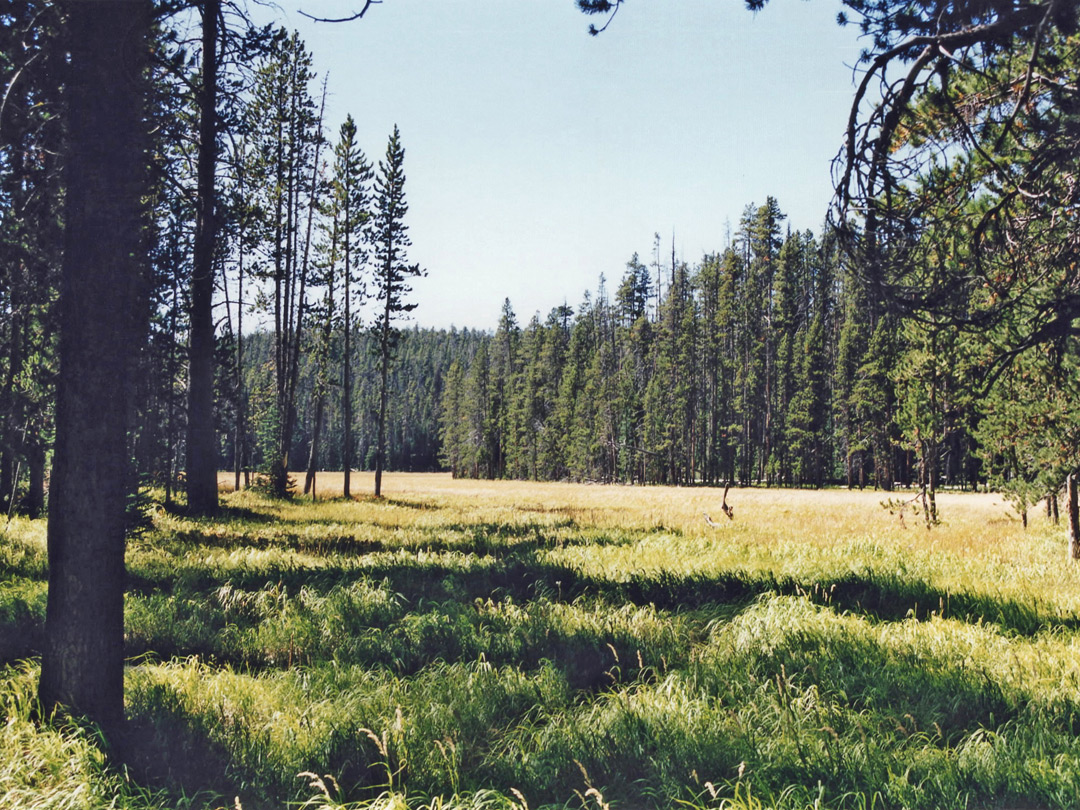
[464, 644]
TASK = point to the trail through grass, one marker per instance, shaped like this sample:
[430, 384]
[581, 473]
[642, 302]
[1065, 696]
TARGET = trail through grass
[510, 645]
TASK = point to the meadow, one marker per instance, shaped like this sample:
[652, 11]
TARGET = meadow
[463, 644]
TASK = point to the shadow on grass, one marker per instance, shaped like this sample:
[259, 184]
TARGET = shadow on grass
[492, 566]
[225, 514]
[22, 620]
[21, 638]
[441, 615]
[164, 751]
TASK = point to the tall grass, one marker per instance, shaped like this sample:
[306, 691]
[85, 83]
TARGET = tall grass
[509, 645]
[58, 765]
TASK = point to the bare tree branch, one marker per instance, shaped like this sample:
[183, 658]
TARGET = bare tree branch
[359, 14]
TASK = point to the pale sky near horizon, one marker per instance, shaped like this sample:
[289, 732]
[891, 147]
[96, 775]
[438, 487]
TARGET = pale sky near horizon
[539, 158]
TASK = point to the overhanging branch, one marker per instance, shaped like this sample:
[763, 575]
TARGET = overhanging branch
[356, 16]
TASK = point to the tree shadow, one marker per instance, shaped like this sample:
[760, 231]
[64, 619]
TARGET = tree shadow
[164, 750]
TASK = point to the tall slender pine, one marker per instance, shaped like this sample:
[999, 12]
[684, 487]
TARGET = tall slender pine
[352, 174]
[388, 235]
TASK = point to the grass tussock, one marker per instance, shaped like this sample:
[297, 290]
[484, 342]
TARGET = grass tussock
[58, 765]
[508, 645]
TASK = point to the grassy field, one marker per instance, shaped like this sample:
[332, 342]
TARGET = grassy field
[515, 645]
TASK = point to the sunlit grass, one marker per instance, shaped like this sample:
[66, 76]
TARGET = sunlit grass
[464, 644]
[58, 765]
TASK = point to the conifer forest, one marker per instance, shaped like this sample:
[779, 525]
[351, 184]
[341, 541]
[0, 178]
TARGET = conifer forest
[278, 278]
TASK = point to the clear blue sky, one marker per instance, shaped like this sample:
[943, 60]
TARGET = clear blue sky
[539, 157]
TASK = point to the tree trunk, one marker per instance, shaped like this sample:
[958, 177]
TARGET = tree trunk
[240, 443]
[933, 480]
[35, 496]
[380, 447]
[201, 439]
[313, 456]
[346, 373]
[1074, 518]
[102, 326]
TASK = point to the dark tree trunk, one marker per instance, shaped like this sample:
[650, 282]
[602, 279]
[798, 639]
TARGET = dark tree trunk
[313, 456]
[35, 496]
[1074, 517]
[384, 370]
[240, 442]
[102, 327]
[201, 440]
[346, 375]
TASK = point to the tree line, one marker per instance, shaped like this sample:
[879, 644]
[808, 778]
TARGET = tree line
[350, 428]
[768, 363]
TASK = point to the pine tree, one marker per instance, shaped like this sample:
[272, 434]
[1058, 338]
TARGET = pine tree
[103, 327]
[326, 269]
[201, 444]
[872, 404]
[504, 363]
[30, 242]
[452, 446]
[286, 133]
[389, 238]
[809, 410]
[352, 173]
[635, 291]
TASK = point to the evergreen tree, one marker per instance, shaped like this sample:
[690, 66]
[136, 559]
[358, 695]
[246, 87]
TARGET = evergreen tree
[285, 135]
[504, 369]
[31, 54]
[1030, 432]
[635, 291]
[852, 426]
[352, 173]
[201, 444]
[326, 270]
[103, 313]
[452, 437]
[388, 235]
[809, 410]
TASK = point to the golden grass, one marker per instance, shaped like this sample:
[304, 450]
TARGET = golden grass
[980, 544]
[972, 523]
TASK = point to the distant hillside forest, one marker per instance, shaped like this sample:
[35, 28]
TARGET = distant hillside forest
[765, 363]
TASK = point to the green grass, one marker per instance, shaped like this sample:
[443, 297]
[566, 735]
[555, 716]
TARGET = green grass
[477, 645]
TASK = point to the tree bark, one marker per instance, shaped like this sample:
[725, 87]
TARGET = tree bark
[346, 366]
[1074, 518]
[201, 440]
[384, 373]
[35, 496]
[240, 442]
[313, 455]
[103, 324]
